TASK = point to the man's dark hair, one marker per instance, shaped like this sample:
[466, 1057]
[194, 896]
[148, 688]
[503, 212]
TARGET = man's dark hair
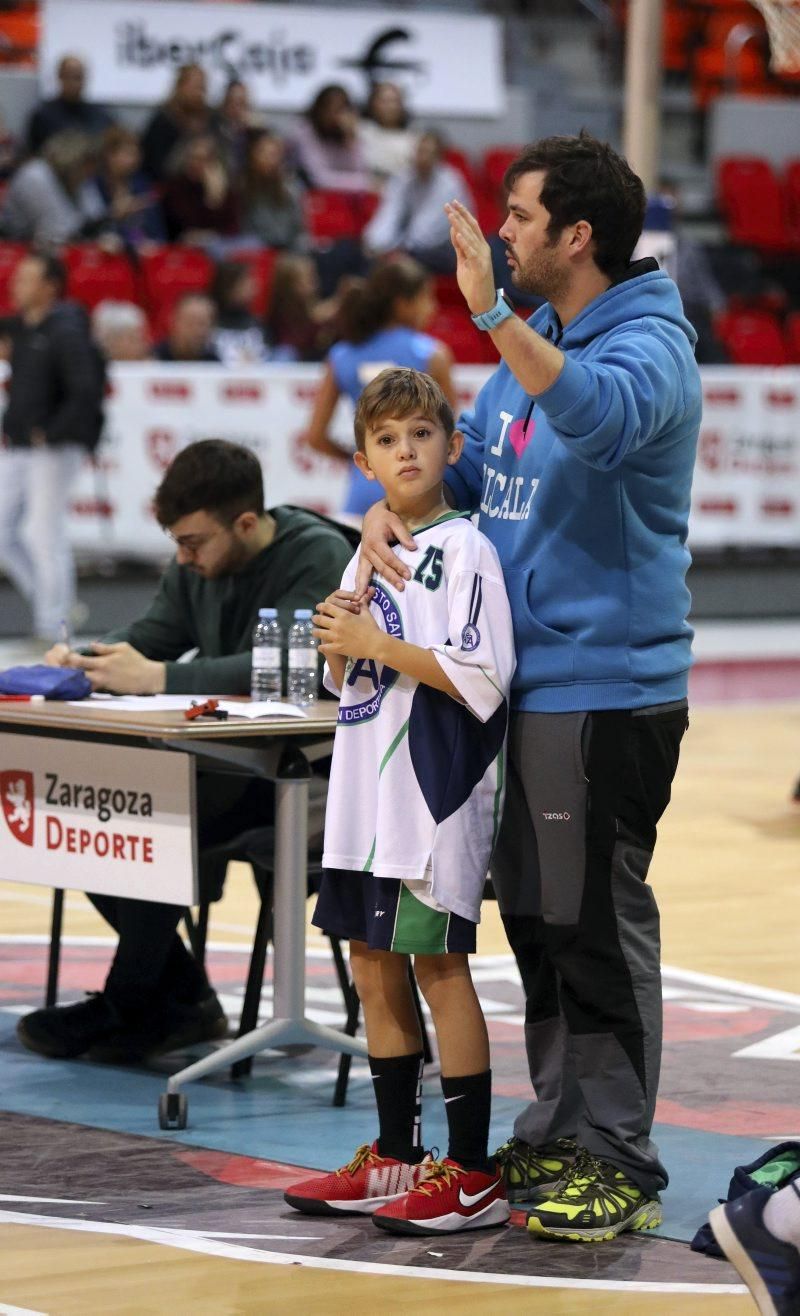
[214, 476]
[586, 179]
[53, 269]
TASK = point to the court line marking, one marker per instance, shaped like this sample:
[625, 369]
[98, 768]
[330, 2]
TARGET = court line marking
[51, 1201]
[501, 961]
[189, 1242]
[19, 1311]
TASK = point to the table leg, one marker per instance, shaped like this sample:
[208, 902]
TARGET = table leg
[56, 919]
[289, 1025]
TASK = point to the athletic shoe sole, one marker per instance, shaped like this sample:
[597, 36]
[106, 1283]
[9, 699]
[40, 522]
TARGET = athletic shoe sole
[741, 1259]
[647, 1217]
[492, 1217]
[318, 1206]
[41, 1047]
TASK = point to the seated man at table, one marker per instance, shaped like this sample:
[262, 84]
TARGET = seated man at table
[232, 558]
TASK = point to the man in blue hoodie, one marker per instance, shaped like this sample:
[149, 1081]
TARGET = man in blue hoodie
[579, 456]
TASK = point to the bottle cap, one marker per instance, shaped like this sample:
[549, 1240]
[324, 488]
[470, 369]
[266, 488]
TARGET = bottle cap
[303, 614]
[269, 613]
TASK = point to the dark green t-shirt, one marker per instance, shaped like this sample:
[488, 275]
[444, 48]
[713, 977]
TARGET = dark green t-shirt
[301, 566]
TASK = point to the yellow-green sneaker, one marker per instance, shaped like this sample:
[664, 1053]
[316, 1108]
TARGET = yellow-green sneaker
[528, 1172]
[592, 1204]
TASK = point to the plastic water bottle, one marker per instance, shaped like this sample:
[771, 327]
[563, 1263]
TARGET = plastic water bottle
[265, 680]
[302, 679]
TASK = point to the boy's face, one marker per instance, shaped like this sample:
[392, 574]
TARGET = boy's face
[408, 456]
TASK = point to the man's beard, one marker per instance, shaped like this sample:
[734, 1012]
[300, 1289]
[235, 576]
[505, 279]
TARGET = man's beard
[541, 277]
[232, 561]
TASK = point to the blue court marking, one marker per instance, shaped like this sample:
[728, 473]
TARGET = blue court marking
[283, 1113]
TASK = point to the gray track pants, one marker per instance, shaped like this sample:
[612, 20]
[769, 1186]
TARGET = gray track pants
[584, 794]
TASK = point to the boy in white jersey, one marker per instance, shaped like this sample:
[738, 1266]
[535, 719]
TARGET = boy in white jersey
[414, 802]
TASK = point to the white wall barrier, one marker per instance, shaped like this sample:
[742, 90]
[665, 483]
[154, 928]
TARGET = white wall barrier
[747, 481]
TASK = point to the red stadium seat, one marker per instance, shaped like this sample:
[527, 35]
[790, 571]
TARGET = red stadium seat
[495, 163]
[167, 274]
[751, 199]
[468, 344]
[448, 293]
[93, 275]
[791, 197]
[458, 160]
[333, 215]
[793, 338]
[711, 68]
[261, 263]
[752, 338]
[11, 254]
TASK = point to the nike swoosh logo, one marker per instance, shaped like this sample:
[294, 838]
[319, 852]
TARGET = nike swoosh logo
[460, 1097]
[472, 1199]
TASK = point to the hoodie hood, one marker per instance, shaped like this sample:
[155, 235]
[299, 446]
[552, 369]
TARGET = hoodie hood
[643, 290]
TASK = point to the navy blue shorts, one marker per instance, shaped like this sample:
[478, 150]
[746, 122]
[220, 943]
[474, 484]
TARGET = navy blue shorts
[384, 913]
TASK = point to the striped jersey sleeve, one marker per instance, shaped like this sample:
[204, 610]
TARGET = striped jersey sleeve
[478, 657]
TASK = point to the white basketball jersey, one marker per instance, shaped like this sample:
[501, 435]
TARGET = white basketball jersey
[417, 778]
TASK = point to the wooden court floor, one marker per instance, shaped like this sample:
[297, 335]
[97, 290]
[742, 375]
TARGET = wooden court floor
[726, 875]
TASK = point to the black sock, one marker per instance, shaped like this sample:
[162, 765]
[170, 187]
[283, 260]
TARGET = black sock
[398, 1091]
[468, 1103]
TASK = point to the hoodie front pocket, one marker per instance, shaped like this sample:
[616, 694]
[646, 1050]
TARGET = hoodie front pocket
[544, 655]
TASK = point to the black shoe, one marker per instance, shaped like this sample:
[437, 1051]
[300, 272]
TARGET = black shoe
[178, 1025]
[65, 1031]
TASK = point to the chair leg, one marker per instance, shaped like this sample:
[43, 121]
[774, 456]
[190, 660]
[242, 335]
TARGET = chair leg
[353, 1005]
[427, 1050]
[197, 932]
[255, 979]
[202, 930]
[56, 920]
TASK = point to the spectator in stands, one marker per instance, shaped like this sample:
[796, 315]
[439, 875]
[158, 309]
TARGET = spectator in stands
[271, 208]
[47, 200]
[234, 123]
[703, 298]
[298, 326]
[326, 145]
[125, 193]
[387, 141]
[185, 114]
[53, 418]
[232, 558]
[383, 320]
[191, 331]
[120, 331]
[199, 201]
[239, 336]
[67, 111]
[411, 215]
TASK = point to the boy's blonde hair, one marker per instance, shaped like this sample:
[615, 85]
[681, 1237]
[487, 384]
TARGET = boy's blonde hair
[398, 392]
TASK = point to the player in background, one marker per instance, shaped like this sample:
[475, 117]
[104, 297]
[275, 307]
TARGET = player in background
[415, 800]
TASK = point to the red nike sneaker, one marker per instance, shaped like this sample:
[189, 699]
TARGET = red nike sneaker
[448, 1199]
[369, 1181]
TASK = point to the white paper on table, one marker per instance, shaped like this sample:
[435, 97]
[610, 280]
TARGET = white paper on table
[254, 708]
[138, 703]
[261, 708]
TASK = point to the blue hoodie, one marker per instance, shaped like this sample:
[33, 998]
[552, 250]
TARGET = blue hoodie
[584, 491]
